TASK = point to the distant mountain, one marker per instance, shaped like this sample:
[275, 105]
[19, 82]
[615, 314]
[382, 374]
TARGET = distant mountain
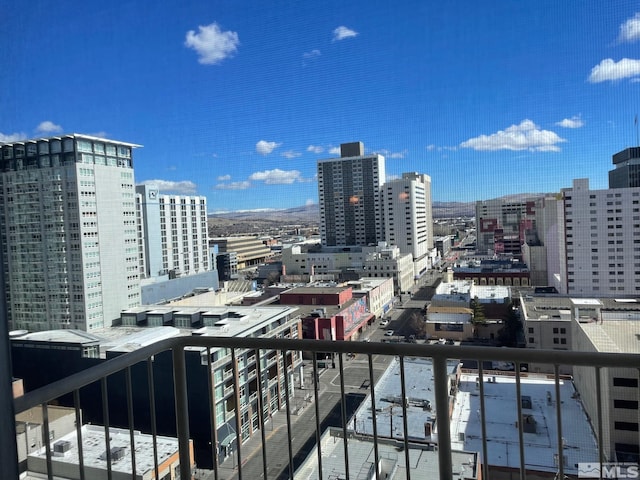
[310, 214]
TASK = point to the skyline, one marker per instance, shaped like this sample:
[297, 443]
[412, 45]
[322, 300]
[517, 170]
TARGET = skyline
[238, 102]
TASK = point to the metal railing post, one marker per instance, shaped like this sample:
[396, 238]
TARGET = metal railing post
[440, 376]
[182, 410]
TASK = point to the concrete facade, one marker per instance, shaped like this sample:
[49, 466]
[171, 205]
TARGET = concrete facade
[349, 190]
[69, 236]
[408, 217]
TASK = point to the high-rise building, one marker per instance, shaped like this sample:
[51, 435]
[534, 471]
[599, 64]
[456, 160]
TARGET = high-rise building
[174, 237]
[502, 225]
[69, 240]
[349, 191]
[408, 217]
[601, 241]
[627, 169]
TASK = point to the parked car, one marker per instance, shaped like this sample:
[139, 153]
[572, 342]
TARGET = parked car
[389, 333]
[384, 322]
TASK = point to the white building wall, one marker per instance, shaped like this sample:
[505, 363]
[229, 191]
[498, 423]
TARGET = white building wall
[602, 236]
[69, 237]
[408, 217]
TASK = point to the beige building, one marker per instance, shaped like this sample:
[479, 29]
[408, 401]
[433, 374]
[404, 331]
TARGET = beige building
[249, 251]
[618, 386]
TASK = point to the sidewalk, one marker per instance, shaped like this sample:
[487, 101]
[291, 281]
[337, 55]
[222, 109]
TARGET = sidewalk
[300, 402]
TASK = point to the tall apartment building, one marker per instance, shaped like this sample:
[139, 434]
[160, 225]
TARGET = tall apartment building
[173, 238]
[601, 241]
[69, 240]
[349, 191]
[408, 218]
[501, 225]
[627, 169]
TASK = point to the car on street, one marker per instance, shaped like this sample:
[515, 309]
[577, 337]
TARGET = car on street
[384, 322]
[389, 333]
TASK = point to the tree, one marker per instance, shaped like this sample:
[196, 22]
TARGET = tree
[417, 325]
[511, 329]
[479, 317]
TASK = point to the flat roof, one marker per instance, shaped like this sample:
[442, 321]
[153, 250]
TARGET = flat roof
[501, 411]
[420, 407]
[320, 290]
[618, 336]
[423, 462]
[61, 336]
[70, 135]
[93, 446]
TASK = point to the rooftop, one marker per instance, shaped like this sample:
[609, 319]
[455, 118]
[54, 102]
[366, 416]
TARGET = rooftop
[539, 410]
[618, 336]
[420, 405]
[423, 461]
[120, 441]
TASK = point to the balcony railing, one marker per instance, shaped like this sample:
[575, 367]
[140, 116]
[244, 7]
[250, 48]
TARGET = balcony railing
[70, 388]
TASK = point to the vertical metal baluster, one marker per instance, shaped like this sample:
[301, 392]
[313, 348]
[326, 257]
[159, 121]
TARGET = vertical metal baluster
[316, 382]
[556, 374]
[405, 425]
[132, 435]
[46, 440]
[152, 414]
[288, 411]
[523, 474]
[376, 454]
[343, 403]
[236, 391]
[105, 417]
[263, 437]
[599, 410]
[483, 423]
[440, 376]
[212, 413]
[182, 410]
[76, 405]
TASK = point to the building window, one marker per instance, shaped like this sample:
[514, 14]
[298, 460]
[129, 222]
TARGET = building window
[625, 382]
[627, 426]
[626, 404]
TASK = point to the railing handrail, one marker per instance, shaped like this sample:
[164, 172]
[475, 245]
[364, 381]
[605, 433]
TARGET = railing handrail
[78, 380]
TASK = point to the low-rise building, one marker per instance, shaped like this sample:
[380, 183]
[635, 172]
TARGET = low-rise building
[250, 251]
[43, 357]
[65, 455]
[538, 422]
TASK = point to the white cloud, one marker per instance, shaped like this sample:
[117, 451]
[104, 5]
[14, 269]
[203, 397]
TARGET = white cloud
[265, 148]
[609, 70]
[277, 177]
[431, 148]
[224, 178]
[184, 187]
[48, 127]
[315, 149]
[212, 44]
[310, 202]
[390, 154]
[436, 148]
[526, 136]
[573, 122]
[12, 137]
[312, 54]
[334, 150]
[630, 30]
[343, 32]
[290, 154]
[233, 185]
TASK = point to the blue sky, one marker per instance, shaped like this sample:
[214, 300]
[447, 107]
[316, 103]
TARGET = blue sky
[238, 100]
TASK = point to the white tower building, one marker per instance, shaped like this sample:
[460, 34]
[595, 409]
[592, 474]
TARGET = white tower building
[408, 217]
[69, 240]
